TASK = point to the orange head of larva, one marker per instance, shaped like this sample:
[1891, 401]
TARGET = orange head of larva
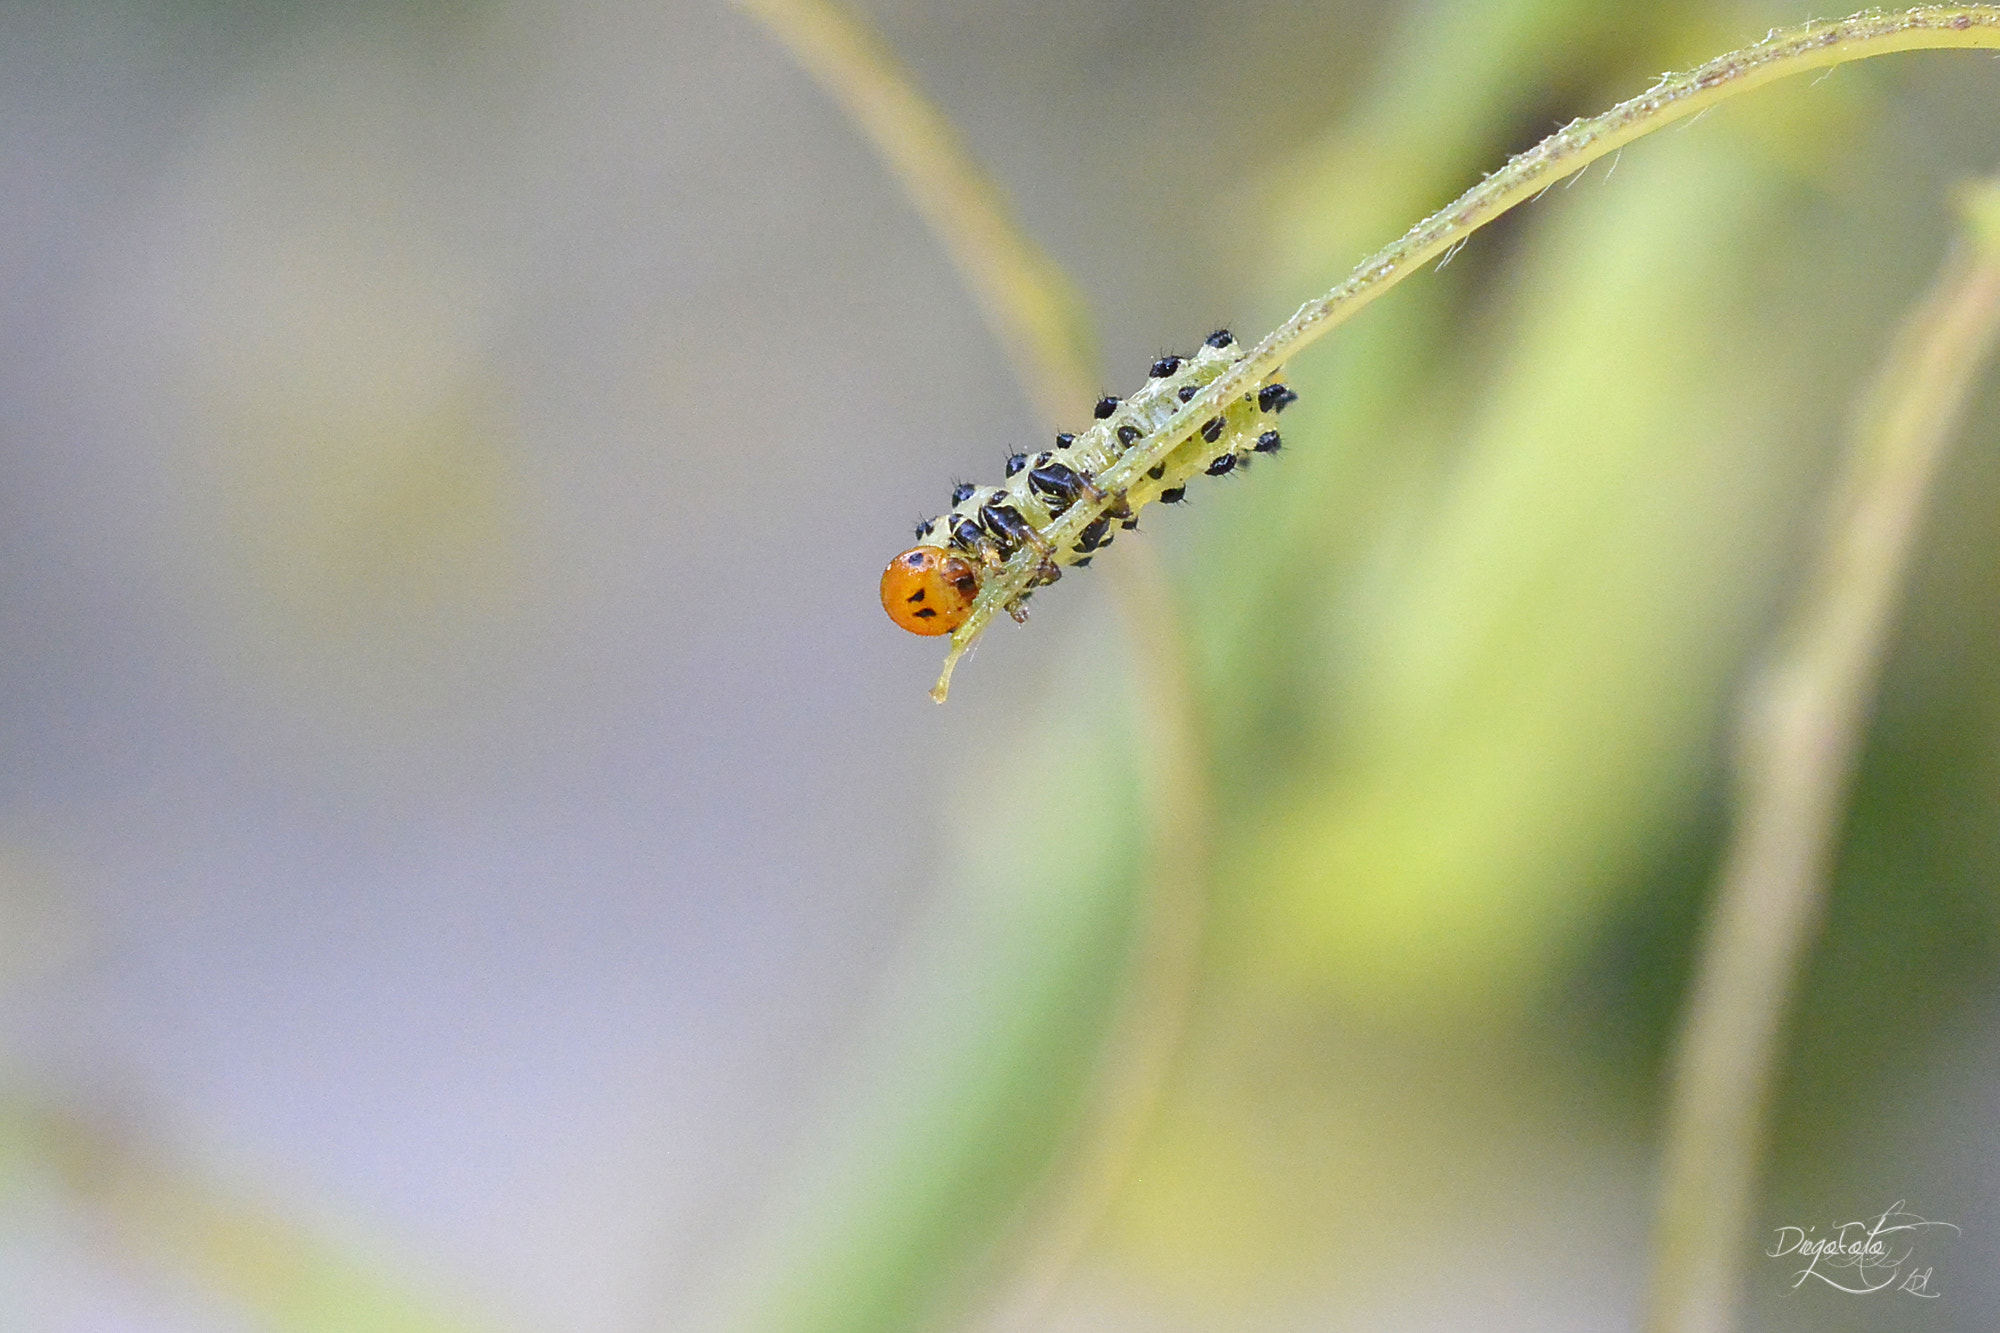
[929, 590]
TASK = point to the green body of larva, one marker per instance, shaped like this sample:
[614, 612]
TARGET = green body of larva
[1058, 507]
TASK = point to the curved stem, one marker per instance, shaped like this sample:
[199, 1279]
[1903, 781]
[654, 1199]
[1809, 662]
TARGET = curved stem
[279, 1274]
[1786, 52]
[1031, 306]
[1164, 968]
[1802, 722]
[1783, 54]
[1029, 303]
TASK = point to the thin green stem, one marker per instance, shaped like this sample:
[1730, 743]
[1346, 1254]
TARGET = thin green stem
[1802, 721]
[1162, 974]
[1031, 307]
[1786, 52]
[1783, 54]
[276, 1272]
[1028, 301]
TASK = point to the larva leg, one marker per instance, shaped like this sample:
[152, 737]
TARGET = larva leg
[1013, 531]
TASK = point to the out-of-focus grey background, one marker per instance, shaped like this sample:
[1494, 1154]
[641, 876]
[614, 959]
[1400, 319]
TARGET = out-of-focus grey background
[463, 805]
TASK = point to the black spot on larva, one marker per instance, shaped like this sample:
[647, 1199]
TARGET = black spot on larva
[1219, 339]
[1015, 463]
[1164, 367]
[1010, 531]
[1211, 429]
[925, 613]
[1081, 563]
[1129, 435]
[962, 491]
[1157, 472]
[1222, 466]
[1275, 398]
[1268, 443]
[1065, 440]
[1042, 458]
[1057, 482]
[1188, 391]
[1130, 525]
[1105, 407]
[1058, 485]
[965, 535]
[1173, 495]
[1093, 536]
[924, 528]
[916, 596]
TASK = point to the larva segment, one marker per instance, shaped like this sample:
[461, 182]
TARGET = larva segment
[1060, 506]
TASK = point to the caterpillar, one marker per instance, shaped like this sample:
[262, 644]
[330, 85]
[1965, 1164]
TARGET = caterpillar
[1059, 507]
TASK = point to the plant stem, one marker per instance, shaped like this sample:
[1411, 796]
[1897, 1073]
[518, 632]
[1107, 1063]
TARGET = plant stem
[1028, 301]
[1162, 973]
[1803, 716]
[279, 1275]
[1031, 307]
[1786, 52]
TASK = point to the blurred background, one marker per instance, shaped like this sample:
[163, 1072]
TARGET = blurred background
[474, 856]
